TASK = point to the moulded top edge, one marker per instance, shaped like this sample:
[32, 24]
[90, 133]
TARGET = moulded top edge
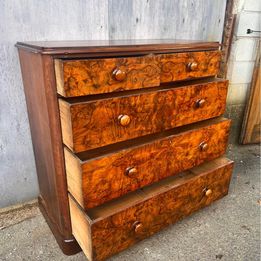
[114, 46]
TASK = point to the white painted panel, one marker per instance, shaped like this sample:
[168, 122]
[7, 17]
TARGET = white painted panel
[239, 6]
[242, 72]
[245, 49]
[252, 5]
[249, 20]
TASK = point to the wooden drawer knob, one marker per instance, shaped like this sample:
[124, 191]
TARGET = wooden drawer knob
[200, 103]
[119, 74]
[208, 192]
[138, 228]
[193, 66]
[203, 146]
[131, 171]
[124, 120]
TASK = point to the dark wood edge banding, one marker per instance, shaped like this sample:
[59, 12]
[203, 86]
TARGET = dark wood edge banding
[113, 47]
[68, 245]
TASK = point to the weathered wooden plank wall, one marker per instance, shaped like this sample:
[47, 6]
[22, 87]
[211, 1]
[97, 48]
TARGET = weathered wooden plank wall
[194, 19]
[23, 20]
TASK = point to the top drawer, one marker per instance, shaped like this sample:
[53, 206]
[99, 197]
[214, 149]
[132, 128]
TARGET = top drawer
[94, 76]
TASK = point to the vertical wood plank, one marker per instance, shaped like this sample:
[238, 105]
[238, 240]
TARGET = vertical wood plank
[120, 15]
[251, 126]
[154, 19]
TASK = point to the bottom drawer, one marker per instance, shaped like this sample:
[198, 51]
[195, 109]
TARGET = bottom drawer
[114, 226]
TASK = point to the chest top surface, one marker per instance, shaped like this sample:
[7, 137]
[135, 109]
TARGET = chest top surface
[114, 46]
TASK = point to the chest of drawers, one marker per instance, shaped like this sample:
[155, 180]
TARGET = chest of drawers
[128, 137]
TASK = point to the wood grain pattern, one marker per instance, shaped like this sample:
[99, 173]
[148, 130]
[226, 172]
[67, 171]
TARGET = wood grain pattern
[155, 207]
[95, 123]
[90, 48]
[251, 127]
[175, 67]
[82, 229]
[43, 111]
[94, 76]
[106, 116]
[66, 124]
[83, 77]
[74, 175]
[105, 178]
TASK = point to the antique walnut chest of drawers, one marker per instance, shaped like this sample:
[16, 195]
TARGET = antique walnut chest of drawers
[128, 137]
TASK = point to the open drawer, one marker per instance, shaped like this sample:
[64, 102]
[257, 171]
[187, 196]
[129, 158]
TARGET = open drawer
[114, 226]
[91, 123]
[96, 177]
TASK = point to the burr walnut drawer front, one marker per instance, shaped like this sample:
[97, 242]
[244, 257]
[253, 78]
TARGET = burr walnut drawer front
[95, 123]
[95, 180]
[114, 226]
[190, 65]
[93, 76]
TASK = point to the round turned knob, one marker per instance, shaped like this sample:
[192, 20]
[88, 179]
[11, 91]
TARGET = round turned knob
[193, 66]
[203, 146]
[119, 74]
[208, 192]
[131, 171]
[200, 103]
[124, 120]
[138, 228]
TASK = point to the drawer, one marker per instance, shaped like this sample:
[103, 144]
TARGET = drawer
[93, 76]
[181, 66]
[114, 226]
[109, 175]
[95, 123]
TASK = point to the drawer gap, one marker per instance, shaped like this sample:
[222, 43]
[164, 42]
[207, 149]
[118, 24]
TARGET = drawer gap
[127, 54]
[109, 56]
[162, 87]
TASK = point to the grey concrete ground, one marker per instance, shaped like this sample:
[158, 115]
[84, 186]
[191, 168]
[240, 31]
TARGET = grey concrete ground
[227, 230]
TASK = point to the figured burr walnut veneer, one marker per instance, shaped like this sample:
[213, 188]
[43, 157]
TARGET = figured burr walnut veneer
[94, 76]
[114, 226]
[128, 137]
[95, 123]
[140, 165]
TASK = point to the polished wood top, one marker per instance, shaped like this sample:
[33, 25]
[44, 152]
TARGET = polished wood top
[112, 46]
